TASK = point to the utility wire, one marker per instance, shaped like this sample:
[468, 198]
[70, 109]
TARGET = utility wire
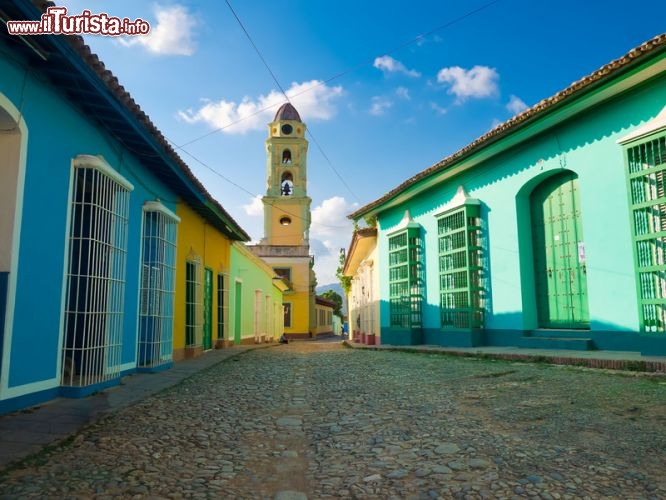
[324, 82]
[337, 75]
[277, 82]
[216, 172]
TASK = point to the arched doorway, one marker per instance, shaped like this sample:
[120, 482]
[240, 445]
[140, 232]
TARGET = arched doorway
[13, 135]
[560, 272]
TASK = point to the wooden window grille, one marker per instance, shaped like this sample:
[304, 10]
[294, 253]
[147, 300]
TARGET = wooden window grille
[406, 279]
[646, 172]
[461, 272]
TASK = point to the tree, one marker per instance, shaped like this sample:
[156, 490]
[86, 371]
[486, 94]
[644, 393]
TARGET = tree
[333, 296]
[345, 281]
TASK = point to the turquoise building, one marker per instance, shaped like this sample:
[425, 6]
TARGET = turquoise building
[548, 231]
[88, 224]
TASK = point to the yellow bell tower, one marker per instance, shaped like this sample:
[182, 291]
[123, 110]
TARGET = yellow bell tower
[286, 245]
[286, 204]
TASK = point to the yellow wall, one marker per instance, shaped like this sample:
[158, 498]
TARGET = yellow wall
[286, 235]
[299, 297]
[197, 238]
[326, 326]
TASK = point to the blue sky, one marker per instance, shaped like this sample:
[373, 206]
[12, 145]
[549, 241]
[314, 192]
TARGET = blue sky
[387, 88]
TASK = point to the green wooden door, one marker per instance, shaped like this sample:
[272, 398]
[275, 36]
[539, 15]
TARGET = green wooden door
[559, 254]
[208, 309]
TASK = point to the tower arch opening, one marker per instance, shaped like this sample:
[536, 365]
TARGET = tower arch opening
[287, 184]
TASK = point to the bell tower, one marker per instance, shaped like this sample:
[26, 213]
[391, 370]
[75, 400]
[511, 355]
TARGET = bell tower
[285, 245]
[286, 203]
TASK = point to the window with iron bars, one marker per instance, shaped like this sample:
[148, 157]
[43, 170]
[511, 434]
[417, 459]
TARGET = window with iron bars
[406, 279]
[461, 271]
[158, 274]
[646, 176]
[193, 303]
[97, 246]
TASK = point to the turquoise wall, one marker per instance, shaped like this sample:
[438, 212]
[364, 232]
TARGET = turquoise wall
[57, 132]
[585, 145]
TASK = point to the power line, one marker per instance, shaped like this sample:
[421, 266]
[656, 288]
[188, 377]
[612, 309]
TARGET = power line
[324, 82]
[253, 195]
[351, 69]
[277, 82]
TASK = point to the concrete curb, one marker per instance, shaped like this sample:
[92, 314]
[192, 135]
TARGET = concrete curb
[610, 360]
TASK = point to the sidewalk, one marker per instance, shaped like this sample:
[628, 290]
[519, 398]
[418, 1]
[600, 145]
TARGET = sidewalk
[613, 360]
[26, 432]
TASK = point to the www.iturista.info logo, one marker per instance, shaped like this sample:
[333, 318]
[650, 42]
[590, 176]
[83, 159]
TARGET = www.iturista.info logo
[55, 21]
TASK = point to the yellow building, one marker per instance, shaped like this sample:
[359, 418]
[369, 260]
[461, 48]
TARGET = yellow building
[285, 245]
[201, 305]
[324, 316]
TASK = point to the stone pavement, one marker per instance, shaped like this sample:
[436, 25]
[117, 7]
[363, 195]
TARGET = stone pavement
[26, 432]
[317, 420]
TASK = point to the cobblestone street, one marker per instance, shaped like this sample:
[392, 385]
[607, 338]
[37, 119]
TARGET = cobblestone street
[318, 420]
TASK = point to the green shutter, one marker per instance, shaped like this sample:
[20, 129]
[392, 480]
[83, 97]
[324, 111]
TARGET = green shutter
[406, 279]
[646, 166]
[461, 271]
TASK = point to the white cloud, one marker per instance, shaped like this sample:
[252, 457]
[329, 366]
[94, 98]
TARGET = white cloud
[255, 207]
[516, 105]
[172, 35]
[379, 106]
[389, 65]
[403, 93]
[314, 100]
[480, 81]
[330, 231]
[438, 109]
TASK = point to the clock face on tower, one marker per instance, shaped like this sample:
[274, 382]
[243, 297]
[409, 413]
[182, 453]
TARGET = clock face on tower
[286, 129]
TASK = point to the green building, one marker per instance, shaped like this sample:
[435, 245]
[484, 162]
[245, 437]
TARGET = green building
[548, 231]
[255, 299]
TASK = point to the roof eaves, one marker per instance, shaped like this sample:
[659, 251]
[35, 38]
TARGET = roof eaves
[192, 190]
[584, 85]
[365, 232]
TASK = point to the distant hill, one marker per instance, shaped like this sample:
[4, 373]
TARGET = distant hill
[337, 289]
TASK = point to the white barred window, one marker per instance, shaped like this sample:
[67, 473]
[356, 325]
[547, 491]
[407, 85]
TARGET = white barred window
[97, 240]
[158, 274]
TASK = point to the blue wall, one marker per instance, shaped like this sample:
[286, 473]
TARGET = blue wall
[58, 133]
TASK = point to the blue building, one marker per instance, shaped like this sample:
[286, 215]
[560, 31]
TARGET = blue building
[548, 231]
[88, 225]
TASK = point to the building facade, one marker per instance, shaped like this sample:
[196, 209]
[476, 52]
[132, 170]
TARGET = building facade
[361, 264]
[286, 245]
[256, 298]
[323, 316]
[547, 231]
[99, 223]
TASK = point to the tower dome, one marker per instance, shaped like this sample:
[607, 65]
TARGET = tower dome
[287, 112]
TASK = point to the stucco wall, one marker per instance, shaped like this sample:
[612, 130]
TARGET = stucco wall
[57, 133]
[585, 145]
